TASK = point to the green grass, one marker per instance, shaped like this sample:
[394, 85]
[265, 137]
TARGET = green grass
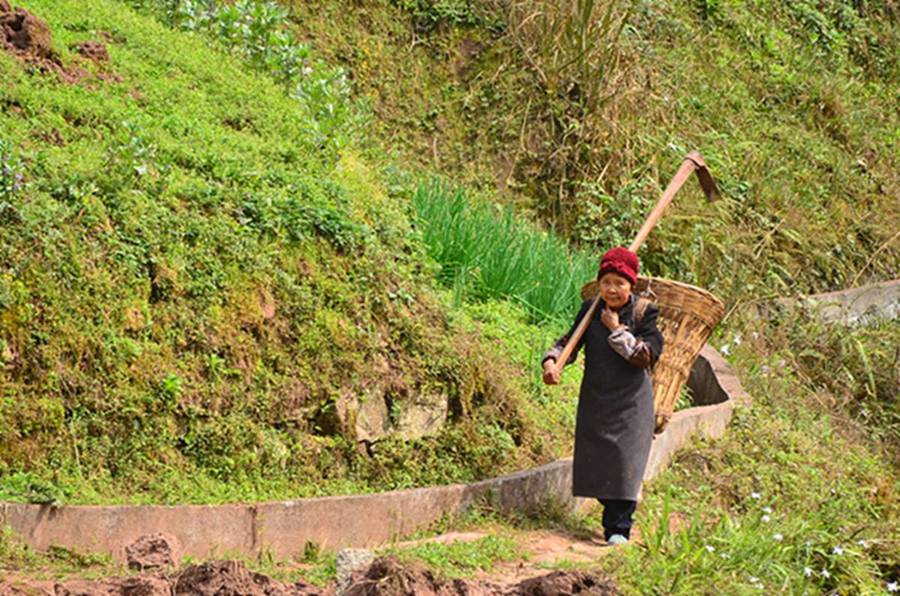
[142, 258]
[55, 563]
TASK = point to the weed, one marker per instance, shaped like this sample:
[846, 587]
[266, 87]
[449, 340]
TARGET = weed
[797, 131]
[195, 281]
[788, 500]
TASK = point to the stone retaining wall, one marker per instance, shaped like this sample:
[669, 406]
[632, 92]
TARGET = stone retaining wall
[284, 528]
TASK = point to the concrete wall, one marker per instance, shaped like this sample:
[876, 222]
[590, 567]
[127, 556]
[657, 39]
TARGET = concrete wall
[284, 528]
[857, 306]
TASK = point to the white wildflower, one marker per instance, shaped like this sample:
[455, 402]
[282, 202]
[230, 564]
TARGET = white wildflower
[754, 335]
[737, 340]
[767, 510]
[838, 550]
[807, 571]
[893, 587]
[754, 580]
[777, 537]
[755, 495]
[725, 350]
[825, 573]
[710, 548]
[863, 544]
[765, 519]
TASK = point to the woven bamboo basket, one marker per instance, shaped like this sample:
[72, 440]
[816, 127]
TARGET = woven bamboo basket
[687, 316]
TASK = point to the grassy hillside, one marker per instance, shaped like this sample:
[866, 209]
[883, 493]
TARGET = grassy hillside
[793, 104]
[198, 273]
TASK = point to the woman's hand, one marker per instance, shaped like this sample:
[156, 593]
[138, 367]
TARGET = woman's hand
[551, 373]
[610, 318]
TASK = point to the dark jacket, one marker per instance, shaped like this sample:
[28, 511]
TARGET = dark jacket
[615, 421]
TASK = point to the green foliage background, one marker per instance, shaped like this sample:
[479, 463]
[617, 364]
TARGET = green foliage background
[258, 210]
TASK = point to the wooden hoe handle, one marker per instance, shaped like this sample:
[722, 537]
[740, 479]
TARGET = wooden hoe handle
[694, 161]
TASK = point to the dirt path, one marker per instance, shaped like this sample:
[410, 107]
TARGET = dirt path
[546, 550]
[553, 562]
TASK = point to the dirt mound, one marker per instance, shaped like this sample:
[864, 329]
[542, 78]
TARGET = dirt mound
[219, 578]
[154, 551]
[24, 33]
[567, 582]
[93, 50]
[232, 577]
[29, 38]
[389, 577]
[385, 577]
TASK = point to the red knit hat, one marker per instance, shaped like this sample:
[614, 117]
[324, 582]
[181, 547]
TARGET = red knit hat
[622, 261]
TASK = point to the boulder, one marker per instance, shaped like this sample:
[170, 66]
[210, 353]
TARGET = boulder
[422, 416]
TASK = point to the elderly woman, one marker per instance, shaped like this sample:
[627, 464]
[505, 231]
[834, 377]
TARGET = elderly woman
[615, 421]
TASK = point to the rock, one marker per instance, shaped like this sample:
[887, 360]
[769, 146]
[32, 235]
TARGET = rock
[364, 418]
[266, 304]
[153, 551]
[369, 419]
[350, 561]
[423, 416]
[93, 50]
[372, 418]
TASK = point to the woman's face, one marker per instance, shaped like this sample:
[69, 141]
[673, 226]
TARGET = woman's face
[615, 290]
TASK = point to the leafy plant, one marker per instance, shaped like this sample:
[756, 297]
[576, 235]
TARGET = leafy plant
[575, 55]
[12, 178]
[429, 14]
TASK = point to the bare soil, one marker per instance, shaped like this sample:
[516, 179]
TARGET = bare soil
[29, 39]
[385, 577]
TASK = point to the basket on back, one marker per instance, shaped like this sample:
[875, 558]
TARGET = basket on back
[687, 316]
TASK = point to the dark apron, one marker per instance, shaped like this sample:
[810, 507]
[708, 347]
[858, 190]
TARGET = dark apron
[614, 426]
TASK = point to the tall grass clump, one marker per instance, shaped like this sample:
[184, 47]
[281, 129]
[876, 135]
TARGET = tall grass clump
[486, 252]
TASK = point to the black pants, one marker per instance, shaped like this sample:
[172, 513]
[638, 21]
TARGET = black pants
[617, 517]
